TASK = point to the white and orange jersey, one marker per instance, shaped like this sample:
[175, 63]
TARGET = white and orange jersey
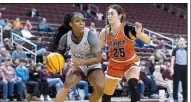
[121, 48]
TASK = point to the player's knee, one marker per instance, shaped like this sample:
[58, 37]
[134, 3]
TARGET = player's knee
[100, 88]
[133, 82]
[133, 85]
[68, 84]
[134, 89]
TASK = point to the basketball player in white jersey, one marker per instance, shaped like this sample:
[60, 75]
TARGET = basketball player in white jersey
[85, 54]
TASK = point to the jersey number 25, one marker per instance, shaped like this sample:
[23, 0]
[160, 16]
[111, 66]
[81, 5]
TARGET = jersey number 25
[119, 52]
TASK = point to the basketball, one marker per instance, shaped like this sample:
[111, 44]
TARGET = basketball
[54, 62]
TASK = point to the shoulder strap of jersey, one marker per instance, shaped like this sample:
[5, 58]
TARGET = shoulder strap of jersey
[122, 27]
[87, 30]
[69, 38]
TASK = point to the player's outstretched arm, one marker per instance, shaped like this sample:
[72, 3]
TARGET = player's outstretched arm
[140, 35]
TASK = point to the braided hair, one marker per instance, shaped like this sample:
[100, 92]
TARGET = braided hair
[62, 30]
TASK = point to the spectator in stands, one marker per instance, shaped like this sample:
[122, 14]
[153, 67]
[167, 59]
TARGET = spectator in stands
[141, 89]
[164, 48]
[79, 5]
[4, 84]
[34, 75]
[18, 53]
[7, 45]
[8, 74]
[4, 53]
[26, 30]
[2, 22]
[99, 16]
[17, 24]
[92, 27]
[165, 72]
[4, 90]
[17, 31]
[15, 63]
[17, 27]
[154, 41]
[51, 79]
[15, 38]
[161, 44]
[150, 64]
[104, 61]
[8, 25]
[148, 81]
[33, 13]
[162, 82]
[166, 75]
[23, 73]
[43, 26]
[88, 14]
[40, 47]
[28, 25]
[84, 84]
[141, 83]
[159, 55]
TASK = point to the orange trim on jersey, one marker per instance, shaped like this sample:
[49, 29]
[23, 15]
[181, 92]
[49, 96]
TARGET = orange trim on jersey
[117, 71]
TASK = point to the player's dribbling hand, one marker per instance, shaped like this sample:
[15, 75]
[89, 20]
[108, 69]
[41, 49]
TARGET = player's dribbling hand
[76, 63]
[138, 27]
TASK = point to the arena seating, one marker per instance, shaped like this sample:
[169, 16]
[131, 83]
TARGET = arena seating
[182, 6]
[152, 18]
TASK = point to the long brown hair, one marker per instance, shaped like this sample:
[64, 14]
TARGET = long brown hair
[119, 10]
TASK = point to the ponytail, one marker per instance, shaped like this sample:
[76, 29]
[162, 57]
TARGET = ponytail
[62, 30]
